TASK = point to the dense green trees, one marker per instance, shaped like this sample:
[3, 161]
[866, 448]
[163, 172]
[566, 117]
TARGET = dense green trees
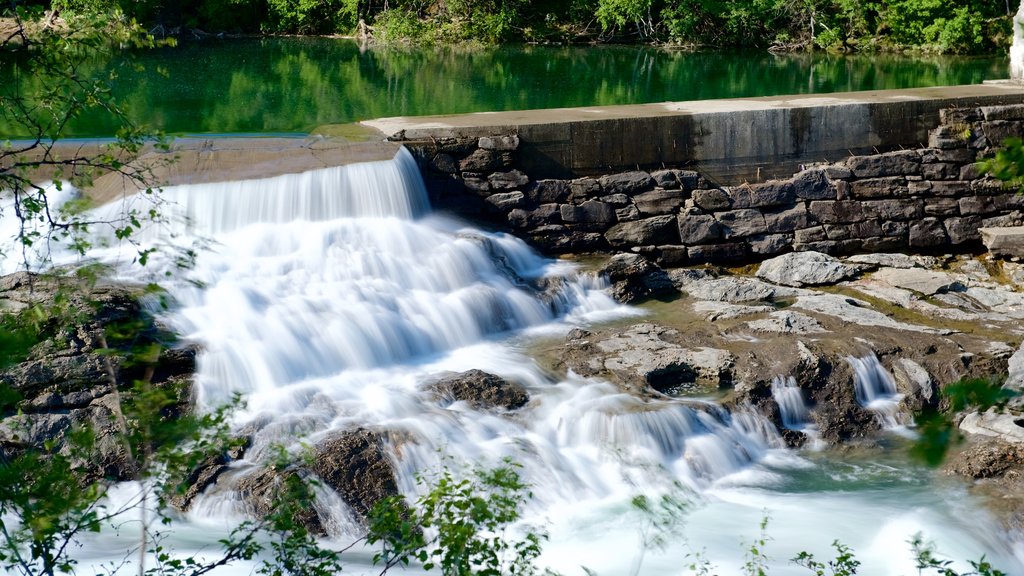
[952, 26]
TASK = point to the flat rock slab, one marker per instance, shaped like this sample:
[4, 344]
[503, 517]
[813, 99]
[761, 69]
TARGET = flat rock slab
[998, 425]
[1008, 241]
[927, 282]
[809, 268]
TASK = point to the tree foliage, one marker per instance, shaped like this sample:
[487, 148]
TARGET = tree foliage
[46, 57]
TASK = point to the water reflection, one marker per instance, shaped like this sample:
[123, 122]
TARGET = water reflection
[296, 84]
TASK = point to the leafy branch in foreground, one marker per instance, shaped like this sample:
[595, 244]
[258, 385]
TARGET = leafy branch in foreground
[54, 82]
[461, 526]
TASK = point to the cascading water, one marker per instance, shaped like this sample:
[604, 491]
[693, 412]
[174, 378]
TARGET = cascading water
[328, 299]
[790, 399]
[877, 392]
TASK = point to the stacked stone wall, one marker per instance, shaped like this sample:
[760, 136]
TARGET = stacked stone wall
[922, 199]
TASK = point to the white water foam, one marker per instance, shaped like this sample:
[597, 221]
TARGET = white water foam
[328, 299]
[876, 391]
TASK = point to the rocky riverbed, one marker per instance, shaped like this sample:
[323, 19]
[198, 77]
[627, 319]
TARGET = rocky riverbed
[731, 334]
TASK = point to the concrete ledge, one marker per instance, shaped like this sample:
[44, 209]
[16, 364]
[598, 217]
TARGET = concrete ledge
[199, 160]
[732, 140]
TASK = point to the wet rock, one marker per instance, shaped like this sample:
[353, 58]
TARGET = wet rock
[805, 269]
[356, 466]
[480, 390]
[634, 277]
[260, 491]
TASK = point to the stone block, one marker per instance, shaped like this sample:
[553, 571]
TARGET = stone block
[837, 211]
[659, 201]
[1008, 241]
[895, 229]
[698, 228]
[615, 199]
[589, 212]
[770, 244]
[956, 156]
[676, 179]
[971, 171]
[542, 215]
[883, 244]
[973, 205]
[627, 213]
[711, 200]
[508, 180]
[656, 230]
[1010, 112]
[999, 130]
[1003, 220]
[963, 229]
[505, 201]
[919, 187]
[942, 207]
[787, 220]
[730, 253]
[765, 195]
[814, 184]
[959, 115]
[671, 256]
[885, 187]
[741, 223]
[940, 171]
[481, 161]
[823, 246]
[812, 234]
[949, 188]
[476, 183]
[856, 230]
[584, 188]
[503, 143]
[906, 209]
[987, 187]
[548, 191]
[899, 163]
[927, 233]
[626, 183]
[837, 172]
[444, 163]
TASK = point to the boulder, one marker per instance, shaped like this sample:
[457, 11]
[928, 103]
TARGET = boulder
[634, 277]
[806, 269]
[355, 465]
[480, 390]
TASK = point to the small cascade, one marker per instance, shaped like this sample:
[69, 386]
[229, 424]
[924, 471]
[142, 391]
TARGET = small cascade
[792, 408]
[877, 392]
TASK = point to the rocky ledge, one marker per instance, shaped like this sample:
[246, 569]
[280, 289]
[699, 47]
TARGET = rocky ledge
[812, 320]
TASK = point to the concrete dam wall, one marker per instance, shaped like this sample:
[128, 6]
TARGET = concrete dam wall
[926, 194]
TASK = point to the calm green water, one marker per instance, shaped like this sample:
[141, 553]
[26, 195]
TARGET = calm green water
[292, 85]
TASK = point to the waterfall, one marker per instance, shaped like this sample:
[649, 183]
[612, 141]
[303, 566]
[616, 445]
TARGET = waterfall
[330, 299]
[877, 392]
[790, 400]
